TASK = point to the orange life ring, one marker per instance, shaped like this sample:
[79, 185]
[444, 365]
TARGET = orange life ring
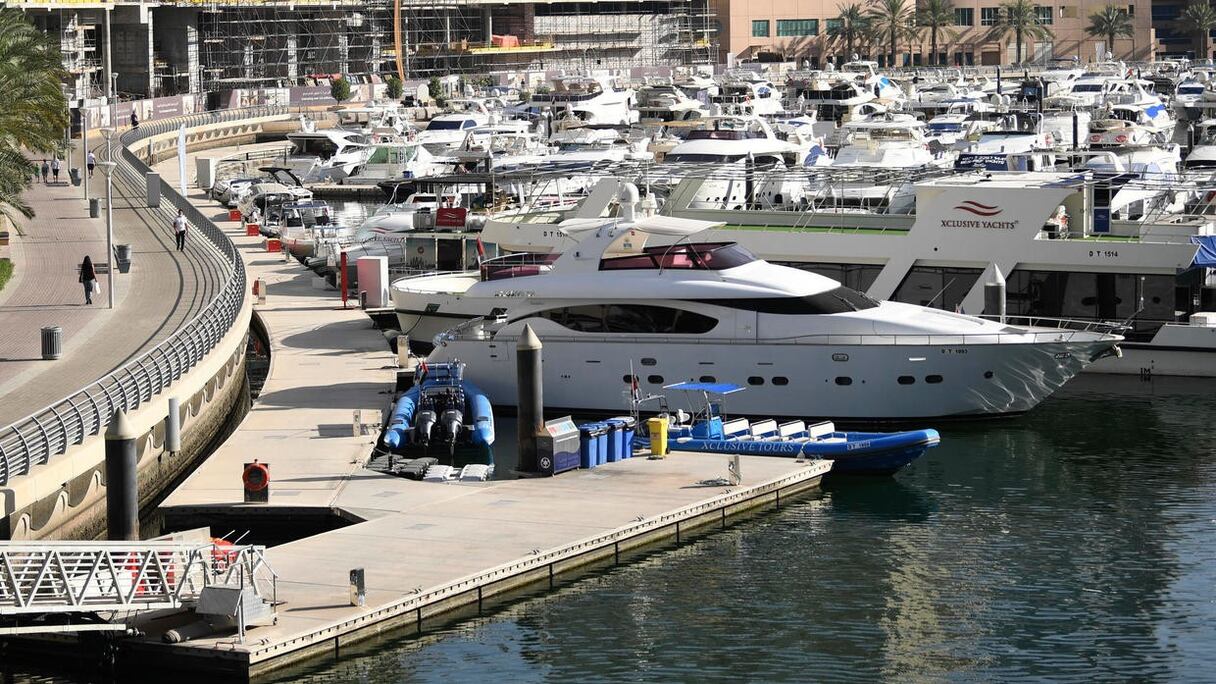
[256, 477]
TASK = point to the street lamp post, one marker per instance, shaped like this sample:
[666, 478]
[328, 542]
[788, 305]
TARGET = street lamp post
[107, 167]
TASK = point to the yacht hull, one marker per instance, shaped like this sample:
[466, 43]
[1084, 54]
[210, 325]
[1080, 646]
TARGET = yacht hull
[845, 381]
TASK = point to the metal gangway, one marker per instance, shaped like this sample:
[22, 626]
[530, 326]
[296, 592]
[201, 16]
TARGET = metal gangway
[65, 586]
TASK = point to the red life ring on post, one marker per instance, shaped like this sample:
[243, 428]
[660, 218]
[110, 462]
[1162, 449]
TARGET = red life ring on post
[256, 477]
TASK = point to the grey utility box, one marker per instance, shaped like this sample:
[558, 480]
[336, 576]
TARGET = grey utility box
[153, 190]
[557, 446]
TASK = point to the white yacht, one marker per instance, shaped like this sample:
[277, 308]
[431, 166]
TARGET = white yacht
[831, 96]
[805, 344]
[746, 93]
[664, 102]
[1202, 156]
[594, 101]
[379, 121]
[398, 159]
[327, 155]
[448, 130]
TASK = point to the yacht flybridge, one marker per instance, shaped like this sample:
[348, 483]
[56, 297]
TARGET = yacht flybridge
[805, 344]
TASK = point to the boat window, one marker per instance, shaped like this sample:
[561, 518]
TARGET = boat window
[629, 379]
[313, 147]
[855, 276]
[708, 378]
[844, 380]
[649, 362]
[655, 379]
[988, 375]
[907, 380]
[834, 301]
[1087, 88]
[713, 256]
[781, 381]
[940, 288]
[1147, 300]
[755, 380]
[630, 318]
[702, 158]
[449, 125]
[933, 379]
[943, 127]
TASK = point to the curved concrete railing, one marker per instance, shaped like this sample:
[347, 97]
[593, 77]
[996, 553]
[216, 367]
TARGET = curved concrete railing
[51, 431]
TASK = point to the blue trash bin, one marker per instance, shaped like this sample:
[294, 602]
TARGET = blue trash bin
[628, 426]
[590, 438]
[601, 440]
[615, 439]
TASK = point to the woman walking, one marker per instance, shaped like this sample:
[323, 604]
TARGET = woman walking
[88, 277]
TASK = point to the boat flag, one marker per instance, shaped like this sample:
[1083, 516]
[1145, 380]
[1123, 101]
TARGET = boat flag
[481, 252]
[421, 371]
[635, 388]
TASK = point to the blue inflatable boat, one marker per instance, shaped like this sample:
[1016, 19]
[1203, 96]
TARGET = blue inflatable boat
[851, 453]
[442, 411]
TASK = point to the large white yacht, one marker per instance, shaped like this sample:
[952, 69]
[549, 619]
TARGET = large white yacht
[327, 155]
[714, 312]
[595, 101]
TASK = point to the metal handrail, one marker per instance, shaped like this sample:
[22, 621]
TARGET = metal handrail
[52, 430]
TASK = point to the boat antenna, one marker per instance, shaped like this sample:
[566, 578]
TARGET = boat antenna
[939, 292]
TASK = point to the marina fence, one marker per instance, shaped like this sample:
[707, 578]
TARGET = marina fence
[52, 430]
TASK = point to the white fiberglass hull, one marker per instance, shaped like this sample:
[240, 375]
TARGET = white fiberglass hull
[1176, 349]
[858, 381]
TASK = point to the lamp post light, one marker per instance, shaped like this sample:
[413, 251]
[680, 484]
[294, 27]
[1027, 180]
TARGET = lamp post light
[107, 167]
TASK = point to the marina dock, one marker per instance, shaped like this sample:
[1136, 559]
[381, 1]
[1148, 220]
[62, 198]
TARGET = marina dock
[427, 548]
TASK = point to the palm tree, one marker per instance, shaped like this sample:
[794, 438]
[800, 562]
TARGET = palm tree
[895, 20]
[850, 26]
[1200, 18]
[1021, 17]
[33, 111]
[938, 17]
[1110, 23]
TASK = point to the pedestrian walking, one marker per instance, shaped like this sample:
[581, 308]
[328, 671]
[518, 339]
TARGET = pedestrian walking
[179, 230]
[55, 169]
[46, 170]
[91, 163]
[134, 120]
[88, 278]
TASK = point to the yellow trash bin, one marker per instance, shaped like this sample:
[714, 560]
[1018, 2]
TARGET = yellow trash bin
[657, 427]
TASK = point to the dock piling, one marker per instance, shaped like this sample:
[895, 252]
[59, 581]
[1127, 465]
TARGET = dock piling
[531, 397]
[122, 488]
[994, 295]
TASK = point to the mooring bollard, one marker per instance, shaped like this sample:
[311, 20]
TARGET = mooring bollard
[261, 289]
[531, 397]
[358, 587]
[122, 484]
[173, 426]
[52, 342]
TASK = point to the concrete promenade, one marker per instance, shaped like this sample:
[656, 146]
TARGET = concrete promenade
[163, 290]
[427, 548]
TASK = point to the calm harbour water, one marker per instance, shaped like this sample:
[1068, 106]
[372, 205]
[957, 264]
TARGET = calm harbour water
[1075, 543]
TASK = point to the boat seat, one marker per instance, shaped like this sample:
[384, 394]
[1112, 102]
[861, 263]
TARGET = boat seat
[735, 428]
[792, 429]
[820, 430]
[764, 429]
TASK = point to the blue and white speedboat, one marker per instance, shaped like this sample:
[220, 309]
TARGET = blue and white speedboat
[441, 412]
[851, 453]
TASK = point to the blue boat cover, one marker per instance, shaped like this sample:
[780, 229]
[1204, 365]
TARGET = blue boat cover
[711, 387]
[1206, 256]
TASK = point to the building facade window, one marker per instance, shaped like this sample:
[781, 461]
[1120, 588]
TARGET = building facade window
[834, 25]
[759, 28]
[797, 27]
[1131, 10]
[1045, 15]
[964, 16]
[989, 15]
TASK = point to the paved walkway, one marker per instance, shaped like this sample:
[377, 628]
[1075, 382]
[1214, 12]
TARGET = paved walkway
[162, 291]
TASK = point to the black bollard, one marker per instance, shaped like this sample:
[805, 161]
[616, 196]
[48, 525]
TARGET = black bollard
[173, 426]
[1076, 126]
[122, 486]
[531, 397]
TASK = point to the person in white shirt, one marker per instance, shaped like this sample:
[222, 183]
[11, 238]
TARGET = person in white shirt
[179, 230]
[91, 163]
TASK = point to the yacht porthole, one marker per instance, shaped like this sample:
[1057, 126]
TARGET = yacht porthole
[708, 378]
[988, 375]
[933, 379]
[780, 380]
[844, 380]
[629, 379]
[655, 379]
[907, 380]
[649, 362]
[755, 380]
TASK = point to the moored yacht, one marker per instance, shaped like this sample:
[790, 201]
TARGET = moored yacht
[805, 344]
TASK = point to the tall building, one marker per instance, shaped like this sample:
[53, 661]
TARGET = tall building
[167, 47]
[798, 30]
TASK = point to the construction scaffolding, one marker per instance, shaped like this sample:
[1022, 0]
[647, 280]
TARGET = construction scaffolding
[274, 43]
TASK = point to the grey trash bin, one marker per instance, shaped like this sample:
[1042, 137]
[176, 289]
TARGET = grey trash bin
[74, 174]
[94, 207]
[52, 342]
[123, 254]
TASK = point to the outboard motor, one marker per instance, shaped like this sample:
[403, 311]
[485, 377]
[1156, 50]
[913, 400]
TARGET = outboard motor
[452, 420]
[424, 424]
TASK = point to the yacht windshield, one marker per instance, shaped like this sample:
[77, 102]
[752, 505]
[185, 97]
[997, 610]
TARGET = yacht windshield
[449, 125]
[714, 256]
[834, 301]
[945, 128]
[1087, 88]
[689, 157]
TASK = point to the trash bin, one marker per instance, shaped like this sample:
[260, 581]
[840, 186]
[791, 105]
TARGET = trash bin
[122, 254]
[614, 439]
[657, 427]
[52, 342]
[74, 174]
[627, 426]
[590, 438]
[94, 207]
[557, 446]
